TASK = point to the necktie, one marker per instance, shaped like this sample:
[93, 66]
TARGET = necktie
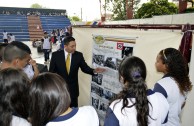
[68, 62]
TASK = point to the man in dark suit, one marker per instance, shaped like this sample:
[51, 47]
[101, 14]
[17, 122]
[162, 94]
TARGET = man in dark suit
[58, 65]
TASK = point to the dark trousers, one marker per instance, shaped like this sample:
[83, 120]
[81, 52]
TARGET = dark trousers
[74, 102]
[5, 40]
[55, 39]
[46, 54]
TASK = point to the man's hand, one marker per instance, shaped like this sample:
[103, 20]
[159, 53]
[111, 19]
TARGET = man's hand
[99, 70]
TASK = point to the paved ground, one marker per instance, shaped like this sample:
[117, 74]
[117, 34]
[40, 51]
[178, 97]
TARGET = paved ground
[39, 57]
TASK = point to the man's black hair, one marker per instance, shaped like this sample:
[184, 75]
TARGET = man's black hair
[68, 39]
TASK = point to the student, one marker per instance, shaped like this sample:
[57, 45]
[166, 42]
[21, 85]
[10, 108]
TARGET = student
[47, 46]
[14, 98]
[5, 36]
[175, 83]
[11, 38]
[136, 105]
[51, 104]
[17, 55]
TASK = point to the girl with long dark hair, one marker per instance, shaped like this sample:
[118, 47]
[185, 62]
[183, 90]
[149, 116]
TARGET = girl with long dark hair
[51, 104]
[14, 98]
[175, 84]
[136, 105]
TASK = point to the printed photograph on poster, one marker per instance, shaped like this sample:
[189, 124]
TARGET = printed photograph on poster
[98, 59]
[103, 107]
[108, 52]
[110, 62]
[95, 102]
[108, 94]
[97, 78]
[118, 61]
[127, 51]
[96, 90]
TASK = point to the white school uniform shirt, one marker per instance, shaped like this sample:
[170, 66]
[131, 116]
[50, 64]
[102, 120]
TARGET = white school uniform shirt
[61, 32]
[169, 88]
[17, 121]
[4, 35]
[158, 110]
[58, 45]
[29, 71]
[12, 38]
[46, 43]
[82, 116]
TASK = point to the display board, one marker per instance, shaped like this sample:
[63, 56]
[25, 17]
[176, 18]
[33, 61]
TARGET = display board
[107, 52]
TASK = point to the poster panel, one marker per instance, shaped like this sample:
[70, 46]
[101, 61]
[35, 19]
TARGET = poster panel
[107, 52]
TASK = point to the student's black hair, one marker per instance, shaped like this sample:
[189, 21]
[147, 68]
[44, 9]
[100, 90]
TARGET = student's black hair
[68, 39]
[176, 68]
[67, 34]
[21, 46]
[50, 98]
[14, 50]
[14, 95]
[2, 47]
[132, 73]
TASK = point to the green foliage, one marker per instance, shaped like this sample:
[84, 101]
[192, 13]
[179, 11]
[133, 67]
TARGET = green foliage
[107, 6]
[119, 8]
[189, 10]
[36, 5]
[156, 7]
[74, 18]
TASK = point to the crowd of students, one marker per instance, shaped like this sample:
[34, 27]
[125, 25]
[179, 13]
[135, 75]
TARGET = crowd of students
[44, 99]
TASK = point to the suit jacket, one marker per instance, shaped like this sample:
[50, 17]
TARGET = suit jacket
[58, 65]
